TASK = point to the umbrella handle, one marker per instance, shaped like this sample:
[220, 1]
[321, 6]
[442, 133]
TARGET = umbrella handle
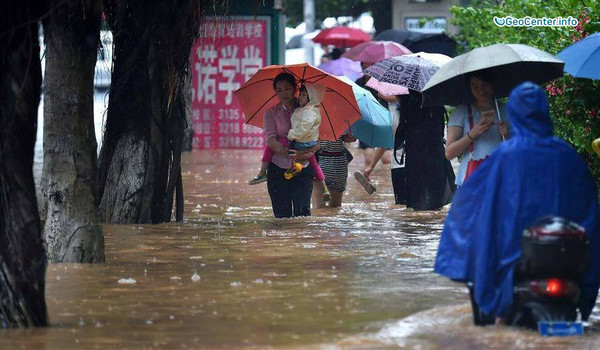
[498, 112]
[349, 127]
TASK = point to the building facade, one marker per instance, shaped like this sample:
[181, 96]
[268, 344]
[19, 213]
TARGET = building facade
[409, 15]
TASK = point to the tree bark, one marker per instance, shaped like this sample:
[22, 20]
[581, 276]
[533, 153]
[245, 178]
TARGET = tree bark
[152, 46]
[125, 182]
[69, 182]
[22, 256]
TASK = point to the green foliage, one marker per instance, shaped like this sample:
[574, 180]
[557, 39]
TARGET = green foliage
[423, 21]
[574, 102]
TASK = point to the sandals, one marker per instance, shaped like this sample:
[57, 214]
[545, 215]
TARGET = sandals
[365, 182]
[326, 195]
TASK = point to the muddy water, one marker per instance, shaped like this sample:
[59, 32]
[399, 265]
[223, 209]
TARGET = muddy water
[231, 276]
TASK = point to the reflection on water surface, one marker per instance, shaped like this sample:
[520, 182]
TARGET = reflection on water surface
[231, 276]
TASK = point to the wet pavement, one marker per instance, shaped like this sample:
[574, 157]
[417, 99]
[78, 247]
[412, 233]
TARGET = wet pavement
[232, 276]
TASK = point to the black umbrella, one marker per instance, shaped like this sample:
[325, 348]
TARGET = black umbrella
[511, 64]
[417, 41]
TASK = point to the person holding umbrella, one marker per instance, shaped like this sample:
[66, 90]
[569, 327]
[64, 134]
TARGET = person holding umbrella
[427, 181]
[367, 54]
[340, 66]
[268, 99]
[371, 154]
[473, 130]
[304, 134]
[288, 197]
[469, 78]
[429, 176]
[374, 128]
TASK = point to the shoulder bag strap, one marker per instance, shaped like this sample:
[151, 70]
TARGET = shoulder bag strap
[471, 128]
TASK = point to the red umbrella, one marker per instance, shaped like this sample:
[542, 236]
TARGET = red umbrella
[342, 37]
[339, 108]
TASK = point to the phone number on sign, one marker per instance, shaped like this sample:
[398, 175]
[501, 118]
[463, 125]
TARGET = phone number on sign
[229, 128]
[229, 114]
[236, 127]
[243, 142]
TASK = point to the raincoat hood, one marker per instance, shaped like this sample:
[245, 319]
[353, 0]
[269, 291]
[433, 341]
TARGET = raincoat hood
[316, 93]
[529, 112]
[531, 175]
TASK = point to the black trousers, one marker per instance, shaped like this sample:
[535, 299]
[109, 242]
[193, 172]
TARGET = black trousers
[479, 318]
[399, 185]
[290, 197]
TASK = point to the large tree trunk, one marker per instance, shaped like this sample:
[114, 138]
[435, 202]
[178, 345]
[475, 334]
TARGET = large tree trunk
[125, 189]
[69, 183]
[141, 150]
[22, 257]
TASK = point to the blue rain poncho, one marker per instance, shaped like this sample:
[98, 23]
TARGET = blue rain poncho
[532, 175]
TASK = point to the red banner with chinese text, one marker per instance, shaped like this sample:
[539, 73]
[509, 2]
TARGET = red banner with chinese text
[227, 53]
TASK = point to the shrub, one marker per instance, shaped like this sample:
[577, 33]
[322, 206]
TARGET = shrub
[574, 102]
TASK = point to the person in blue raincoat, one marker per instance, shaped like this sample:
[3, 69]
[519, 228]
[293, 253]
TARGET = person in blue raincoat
[532, 175]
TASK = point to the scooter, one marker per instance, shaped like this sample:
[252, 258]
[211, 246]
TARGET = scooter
[547, 278]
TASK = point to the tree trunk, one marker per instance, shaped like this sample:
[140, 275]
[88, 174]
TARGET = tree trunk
[69, 182]
[22, 256]
[146, 113]
[124, 184]
[382, 14]
[125, 188]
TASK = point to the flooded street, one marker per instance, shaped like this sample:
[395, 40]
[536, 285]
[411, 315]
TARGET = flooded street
[232, 276]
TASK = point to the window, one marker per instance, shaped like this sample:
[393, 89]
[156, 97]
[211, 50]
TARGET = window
[425, 25]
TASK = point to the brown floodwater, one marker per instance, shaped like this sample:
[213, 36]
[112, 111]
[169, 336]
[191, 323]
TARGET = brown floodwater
[232, 276]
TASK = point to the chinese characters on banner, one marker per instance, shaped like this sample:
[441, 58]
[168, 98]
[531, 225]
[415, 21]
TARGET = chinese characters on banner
[227, 53]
